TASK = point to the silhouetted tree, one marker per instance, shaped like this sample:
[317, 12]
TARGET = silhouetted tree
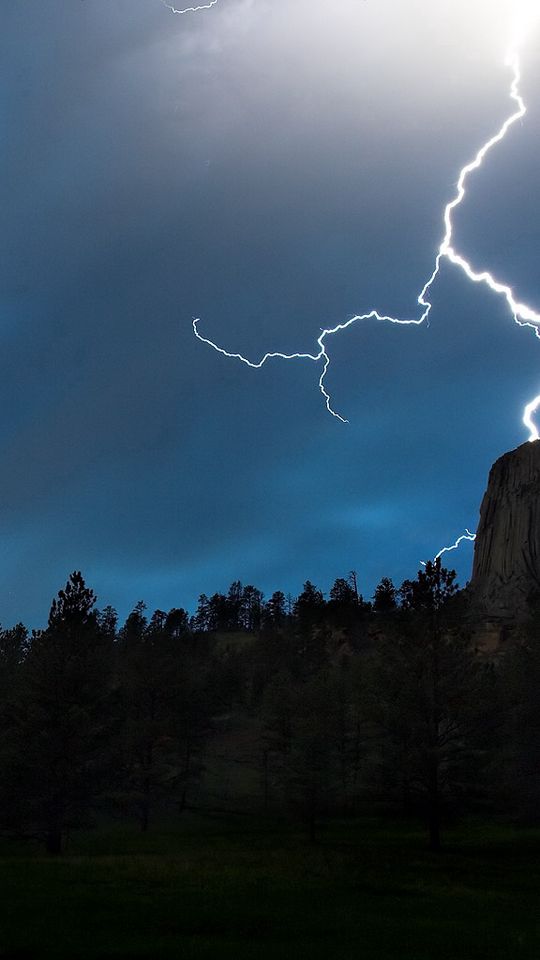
[275, 613]
[251, 609]
[385, 597]
[147, 682]
[108, 622]
[63, 727]
[518, 767]
[310, 629]
[13, 650]
[201, 621]
[163, 713]
[177, 623]
[223, 612]
[234, 607]
[343, 593]
[311, 764]
[309, 604]
[429, 691]
[430, 592]
[346, 606]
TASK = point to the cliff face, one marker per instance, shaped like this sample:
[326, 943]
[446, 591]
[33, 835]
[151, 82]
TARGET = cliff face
[506, 568]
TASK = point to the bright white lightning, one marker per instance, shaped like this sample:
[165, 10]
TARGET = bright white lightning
[531, 408]
[523, 314]
[465, 536]
[204, 6]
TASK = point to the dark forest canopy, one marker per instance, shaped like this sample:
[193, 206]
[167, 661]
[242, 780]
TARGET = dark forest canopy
[306, 707]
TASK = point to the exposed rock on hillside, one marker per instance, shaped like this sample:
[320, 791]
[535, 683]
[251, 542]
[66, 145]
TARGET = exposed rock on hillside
[506, 568]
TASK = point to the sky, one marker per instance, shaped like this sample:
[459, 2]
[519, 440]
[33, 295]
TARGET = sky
[272, 168]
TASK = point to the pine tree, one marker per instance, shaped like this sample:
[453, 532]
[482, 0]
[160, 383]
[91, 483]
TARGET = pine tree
[428, 696]
[64, 724]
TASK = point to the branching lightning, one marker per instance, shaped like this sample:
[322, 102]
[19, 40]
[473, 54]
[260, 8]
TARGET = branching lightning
[203, 6]
[523, 314]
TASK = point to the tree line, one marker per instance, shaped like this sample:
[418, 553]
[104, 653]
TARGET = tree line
[332, 705]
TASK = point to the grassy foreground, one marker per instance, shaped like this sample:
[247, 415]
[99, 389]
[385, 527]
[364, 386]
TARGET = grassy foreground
[214, 888]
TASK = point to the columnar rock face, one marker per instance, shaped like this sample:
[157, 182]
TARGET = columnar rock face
[506, 569]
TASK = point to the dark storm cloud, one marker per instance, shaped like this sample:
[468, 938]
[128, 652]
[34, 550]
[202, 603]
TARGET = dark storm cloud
[271, 169]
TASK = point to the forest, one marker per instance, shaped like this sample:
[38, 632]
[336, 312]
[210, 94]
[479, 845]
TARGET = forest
[306, 709]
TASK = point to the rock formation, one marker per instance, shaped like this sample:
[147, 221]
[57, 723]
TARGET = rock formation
[506, 568]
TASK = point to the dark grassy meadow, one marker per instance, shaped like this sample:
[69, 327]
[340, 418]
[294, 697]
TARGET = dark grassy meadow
[241, 888]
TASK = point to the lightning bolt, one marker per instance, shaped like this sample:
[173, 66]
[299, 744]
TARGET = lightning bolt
[522, 314]
[203, 6]
[465, 536]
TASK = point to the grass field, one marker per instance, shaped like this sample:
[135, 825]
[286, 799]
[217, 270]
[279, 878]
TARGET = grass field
[214, 888]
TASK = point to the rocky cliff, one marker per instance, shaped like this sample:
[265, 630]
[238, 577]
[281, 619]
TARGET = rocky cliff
[506, 568]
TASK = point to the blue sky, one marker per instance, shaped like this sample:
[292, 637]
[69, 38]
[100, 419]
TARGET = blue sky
[272, 168]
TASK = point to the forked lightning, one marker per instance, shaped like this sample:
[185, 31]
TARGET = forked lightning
[523, 314]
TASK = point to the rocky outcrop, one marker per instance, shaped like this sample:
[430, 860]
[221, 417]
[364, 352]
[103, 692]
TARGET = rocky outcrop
[506, 568]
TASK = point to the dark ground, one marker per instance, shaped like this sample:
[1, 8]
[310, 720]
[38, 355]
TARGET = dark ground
[224, 887]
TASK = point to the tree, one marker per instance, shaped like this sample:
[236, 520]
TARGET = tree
[310, 628]
[276, 713]
[162, 712]
[222, 612]
[429, 694]
[346, 607]
[385, 597]
[108, 622]
[311, 765]
[201, 621]
[64, 725]
[275, 614]
[343, 593]
[13, 651]
[251, 608]
[177, 623]
[518, 768]
[309, 604]
[147, 684]
[232, 609]
[430, 592]
[313, 736]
